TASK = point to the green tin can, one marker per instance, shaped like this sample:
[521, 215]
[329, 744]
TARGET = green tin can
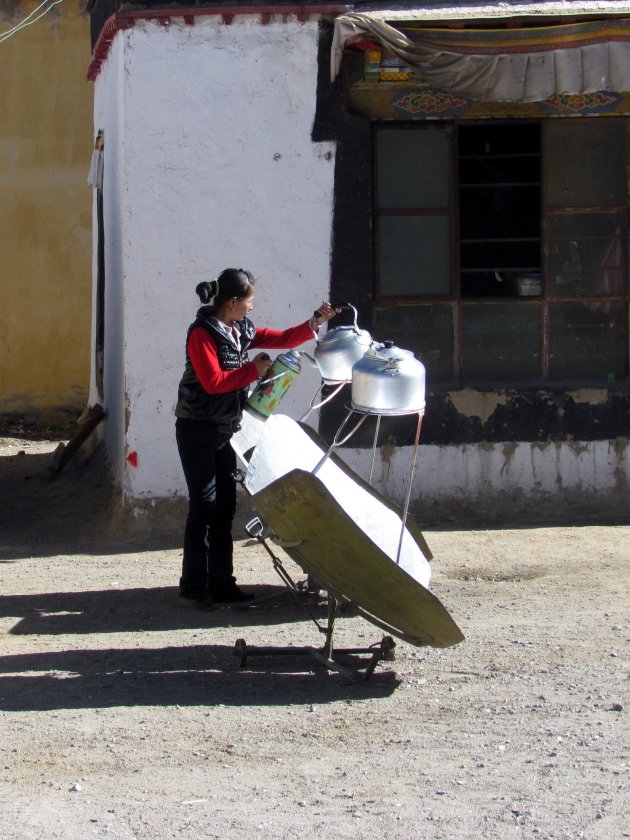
[265, 397]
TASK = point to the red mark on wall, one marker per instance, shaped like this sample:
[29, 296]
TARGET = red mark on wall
[132, 459]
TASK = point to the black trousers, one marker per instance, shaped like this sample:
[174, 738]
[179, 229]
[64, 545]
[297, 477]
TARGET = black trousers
[208, 461]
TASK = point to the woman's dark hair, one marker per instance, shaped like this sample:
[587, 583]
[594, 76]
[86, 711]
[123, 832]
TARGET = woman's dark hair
[231, 283]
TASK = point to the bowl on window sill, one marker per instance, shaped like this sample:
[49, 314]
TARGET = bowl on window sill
[527, 285]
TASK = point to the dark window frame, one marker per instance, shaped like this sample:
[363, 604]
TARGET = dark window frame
[457, 301]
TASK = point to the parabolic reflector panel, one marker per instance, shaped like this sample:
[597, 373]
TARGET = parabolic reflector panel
[345, 535]
[327, 544]
[285, 446]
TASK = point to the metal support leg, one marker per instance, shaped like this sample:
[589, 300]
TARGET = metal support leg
[326, 654]
[333, 606]
[256, 529]
[313, 407]
[376, 431]
[336, 442]
[409, 483]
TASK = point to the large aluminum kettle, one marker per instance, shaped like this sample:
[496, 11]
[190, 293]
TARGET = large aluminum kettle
[340, 348]
[388, 380]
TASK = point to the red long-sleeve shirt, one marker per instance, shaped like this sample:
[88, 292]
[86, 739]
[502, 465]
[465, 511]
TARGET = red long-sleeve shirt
[202, 352]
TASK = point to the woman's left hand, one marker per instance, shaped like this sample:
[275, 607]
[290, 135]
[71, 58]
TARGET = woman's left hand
[325, 312]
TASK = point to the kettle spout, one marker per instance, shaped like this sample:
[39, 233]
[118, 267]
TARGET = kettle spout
[310, 358]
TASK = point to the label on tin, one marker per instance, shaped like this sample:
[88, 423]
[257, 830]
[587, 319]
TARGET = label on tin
[265, 397]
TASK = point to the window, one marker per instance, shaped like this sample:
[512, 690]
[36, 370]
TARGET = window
[501, 248]
[414, 219]
[498, 191]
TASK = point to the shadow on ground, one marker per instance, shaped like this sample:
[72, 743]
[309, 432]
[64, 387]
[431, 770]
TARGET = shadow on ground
[174, 676]
[195, 674]
[147, 610]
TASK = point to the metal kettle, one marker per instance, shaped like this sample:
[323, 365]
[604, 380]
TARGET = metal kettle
[340, 348]
[388, 380]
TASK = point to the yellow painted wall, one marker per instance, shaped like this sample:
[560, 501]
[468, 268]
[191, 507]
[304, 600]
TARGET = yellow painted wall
[46, 142]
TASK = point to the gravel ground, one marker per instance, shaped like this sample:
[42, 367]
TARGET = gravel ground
[124, 716]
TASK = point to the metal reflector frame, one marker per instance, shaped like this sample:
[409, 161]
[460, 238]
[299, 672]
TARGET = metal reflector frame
[345, 534]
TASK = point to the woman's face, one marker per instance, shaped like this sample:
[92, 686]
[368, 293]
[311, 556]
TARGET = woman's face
[243, 306]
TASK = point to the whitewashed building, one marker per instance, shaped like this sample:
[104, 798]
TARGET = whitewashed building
[228, 143]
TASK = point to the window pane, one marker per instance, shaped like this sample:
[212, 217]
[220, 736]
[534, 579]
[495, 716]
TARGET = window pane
[498, 138]
[500, 212]
[412, 168]
[505, 256]
[511, 168]
[413, 255]
[588, 254]
[499, 207]
[588, 340]
[426, 330]
[585, 163]
[501, 341]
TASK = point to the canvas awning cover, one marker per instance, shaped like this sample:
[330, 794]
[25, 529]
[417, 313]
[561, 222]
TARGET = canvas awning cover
[499, 65]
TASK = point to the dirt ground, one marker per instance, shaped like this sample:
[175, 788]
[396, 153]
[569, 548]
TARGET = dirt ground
[124, 716]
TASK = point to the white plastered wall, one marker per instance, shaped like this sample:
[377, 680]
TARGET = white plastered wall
[109, 115]
[209, 163]
[502, 481]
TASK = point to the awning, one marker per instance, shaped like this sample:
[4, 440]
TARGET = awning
[526, 64]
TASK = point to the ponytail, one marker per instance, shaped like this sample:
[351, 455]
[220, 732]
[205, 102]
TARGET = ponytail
[233, 282]
[206, 291]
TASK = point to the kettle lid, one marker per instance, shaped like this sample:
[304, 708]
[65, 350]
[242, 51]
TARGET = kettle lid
[388, 350]
[345, 332]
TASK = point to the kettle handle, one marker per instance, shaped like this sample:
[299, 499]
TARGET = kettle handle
[355, 326]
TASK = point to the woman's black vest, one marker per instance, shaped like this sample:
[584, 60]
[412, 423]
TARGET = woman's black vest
[223, 410]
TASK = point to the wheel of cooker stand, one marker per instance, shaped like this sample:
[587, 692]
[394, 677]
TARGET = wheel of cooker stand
[388, 646]
[240, 650]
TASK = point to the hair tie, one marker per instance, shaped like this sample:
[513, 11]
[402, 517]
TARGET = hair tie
[216, 286]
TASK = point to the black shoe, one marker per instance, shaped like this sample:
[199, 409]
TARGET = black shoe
[231, 594]
[203, 604]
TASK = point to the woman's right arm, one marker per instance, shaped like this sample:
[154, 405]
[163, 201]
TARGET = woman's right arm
[202, 352]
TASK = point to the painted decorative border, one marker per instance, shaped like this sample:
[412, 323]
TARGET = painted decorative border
[428, 103]
[390, 100]
[578, 103]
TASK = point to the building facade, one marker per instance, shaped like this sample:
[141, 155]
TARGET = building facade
[45, 213]
[458, 173]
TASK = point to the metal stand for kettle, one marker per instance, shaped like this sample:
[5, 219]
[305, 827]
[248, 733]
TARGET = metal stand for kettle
[363, 414]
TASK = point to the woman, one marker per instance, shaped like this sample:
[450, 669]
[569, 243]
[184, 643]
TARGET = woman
[212, 393]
